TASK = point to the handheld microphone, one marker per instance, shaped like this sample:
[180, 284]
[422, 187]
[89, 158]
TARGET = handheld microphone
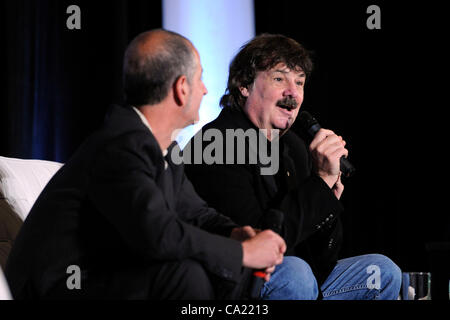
[274, 221]
[310, 125]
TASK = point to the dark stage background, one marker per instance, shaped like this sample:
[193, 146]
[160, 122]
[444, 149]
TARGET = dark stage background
[371, 86]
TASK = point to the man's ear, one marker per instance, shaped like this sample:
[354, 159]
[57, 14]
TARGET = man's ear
[181, 90]
[244, 91]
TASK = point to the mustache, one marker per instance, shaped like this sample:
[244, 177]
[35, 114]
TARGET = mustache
[287, 102]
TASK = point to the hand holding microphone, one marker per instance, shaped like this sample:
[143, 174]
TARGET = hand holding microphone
[328, 152]
[264, 250]
[250, 261]
[310, 126]
[273, 223]
[327, 149]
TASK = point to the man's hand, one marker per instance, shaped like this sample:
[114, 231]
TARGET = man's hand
[268, 272]
[338, 188]
[326, 149]
[245, 233]
[264, 251]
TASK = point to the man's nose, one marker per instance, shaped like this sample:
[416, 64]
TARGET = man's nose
[291, 90]
[205, 91]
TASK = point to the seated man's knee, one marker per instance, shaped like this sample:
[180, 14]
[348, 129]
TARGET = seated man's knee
[197, 281]
[293, 281]
[390, 276]
[189, 280]
[304, 277]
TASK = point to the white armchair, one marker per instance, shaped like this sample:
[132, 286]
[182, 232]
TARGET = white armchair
[21, 182]
[4, 289]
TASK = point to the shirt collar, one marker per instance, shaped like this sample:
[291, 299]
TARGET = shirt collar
[145, 122]
[143, 118]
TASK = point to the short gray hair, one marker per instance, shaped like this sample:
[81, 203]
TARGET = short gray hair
[147, 77]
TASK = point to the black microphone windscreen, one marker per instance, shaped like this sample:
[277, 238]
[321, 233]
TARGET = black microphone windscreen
[306, 120]
[308, 123]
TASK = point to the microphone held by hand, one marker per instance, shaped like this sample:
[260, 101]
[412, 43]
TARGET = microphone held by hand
[274, 221]
[310, 125]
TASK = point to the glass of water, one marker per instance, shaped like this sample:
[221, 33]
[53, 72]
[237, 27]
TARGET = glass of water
[416, 286]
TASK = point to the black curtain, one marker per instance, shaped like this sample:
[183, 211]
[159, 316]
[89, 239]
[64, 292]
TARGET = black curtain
[373, 88]
[58, 82]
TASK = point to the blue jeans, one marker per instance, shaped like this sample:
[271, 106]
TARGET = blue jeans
[366, 277]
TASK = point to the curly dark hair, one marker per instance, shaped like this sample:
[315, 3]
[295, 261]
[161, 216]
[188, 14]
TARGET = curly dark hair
[260, 54]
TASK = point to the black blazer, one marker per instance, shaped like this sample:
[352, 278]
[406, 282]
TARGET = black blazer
[312, 227]
[113, 207]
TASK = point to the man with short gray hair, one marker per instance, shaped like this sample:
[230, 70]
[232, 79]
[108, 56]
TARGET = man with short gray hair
[121, 218]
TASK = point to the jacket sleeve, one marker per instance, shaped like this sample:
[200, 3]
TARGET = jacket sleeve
[122, 187]
[230, 189]
[308, 194]
[194, 210]
[236, 191]
[315, 203]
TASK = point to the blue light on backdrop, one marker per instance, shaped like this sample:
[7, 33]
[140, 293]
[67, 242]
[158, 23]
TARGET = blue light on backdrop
[217, 29]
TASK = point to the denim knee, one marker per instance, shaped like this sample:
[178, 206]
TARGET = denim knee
[292, 280]
[391, 277]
